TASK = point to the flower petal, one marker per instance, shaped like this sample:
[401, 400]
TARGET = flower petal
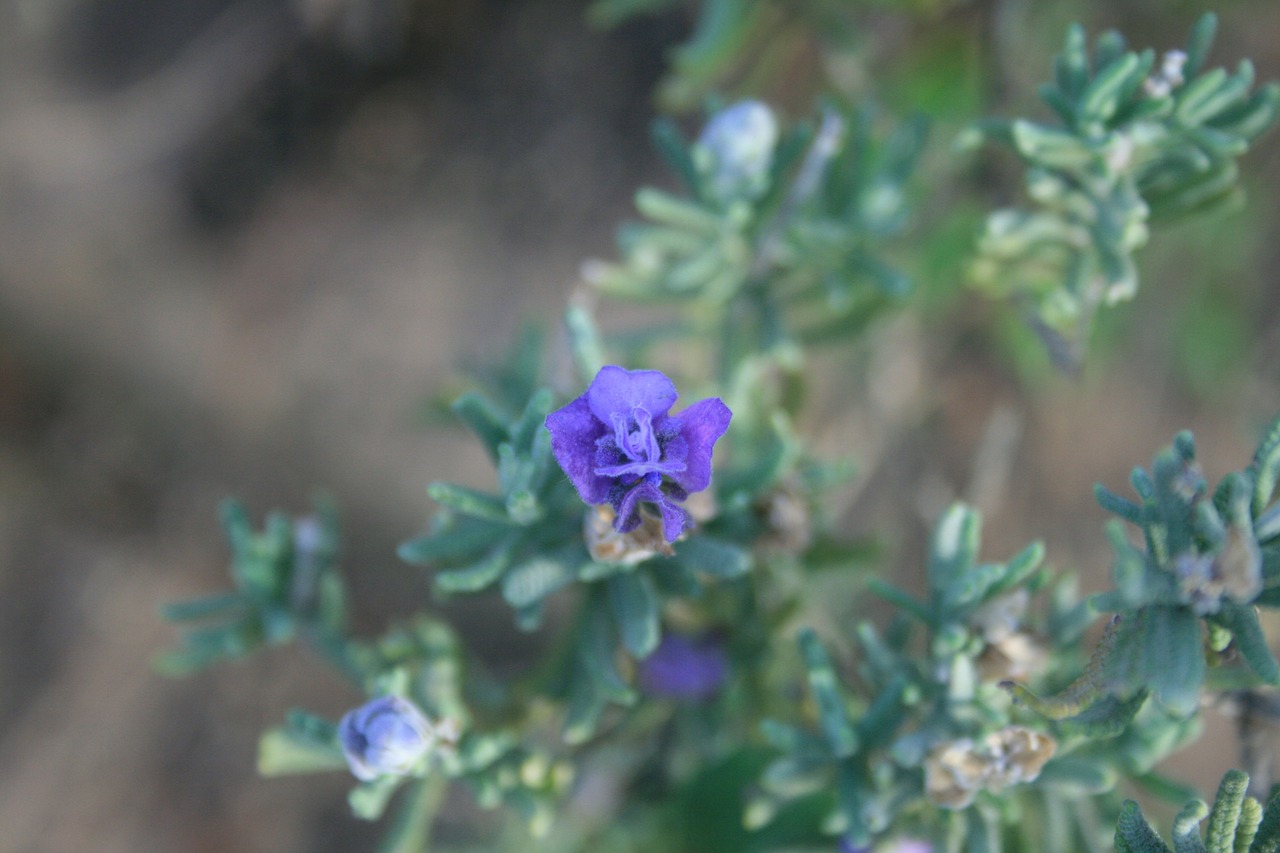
[674, 519]
[700, 425]
[616, 390]
[574, 432]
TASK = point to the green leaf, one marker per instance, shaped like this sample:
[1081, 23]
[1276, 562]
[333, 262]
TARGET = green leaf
[1102, 97]
[1267, 839]
[1247, 829]
[483, 419]
[410, 830]
[1266, 468]
[1133, 831]
[955, 546]
[457, 539]
[1071, 67]
[305, 745]
[596, 651]
[713, 557]
[236, 525]
[1225, 817]
[478, 575]
[1053, 148]
[1198, 44]
[1158, 647]
[532, 581]
[670, 210]
[635, 610]
[469, 502]
[1113, 503]
[1242, 621]
[1077, 777]
[832, 715]
[1186, 828]
[369, 800]
[584, 341]
[1231, 92]
[674, 148]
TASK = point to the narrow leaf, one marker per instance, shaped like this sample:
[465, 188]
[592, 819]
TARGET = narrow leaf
[832, 715]
[635, 610]
[1225, 817]
[483, 419]
[469, 502]
[1133, 831]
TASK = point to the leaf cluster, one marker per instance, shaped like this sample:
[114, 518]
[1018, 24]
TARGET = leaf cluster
[1136, 139]
[805, 254]
[286, 583]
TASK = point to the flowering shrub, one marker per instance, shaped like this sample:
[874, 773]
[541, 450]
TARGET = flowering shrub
[695, 697]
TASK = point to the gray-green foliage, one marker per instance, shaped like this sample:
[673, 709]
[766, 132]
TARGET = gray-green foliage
[805, 253]
[1237, 823]
[968, 715]
[1138, 138]
[286, 583]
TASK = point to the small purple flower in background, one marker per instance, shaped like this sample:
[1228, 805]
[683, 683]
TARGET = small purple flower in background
[619, 446]
[684, 667]
[386, 736]
[735, 150]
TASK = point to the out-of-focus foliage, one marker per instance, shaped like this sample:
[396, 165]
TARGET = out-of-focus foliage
[690, 691]
[1139, 138]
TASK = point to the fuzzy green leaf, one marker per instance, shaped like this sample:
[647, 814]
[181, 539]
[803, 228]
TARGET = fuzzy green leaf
[1186, 828]
[1225, 817]
[1242, 621]
[635, 610]
[1133, 831]
[469, 502]
[483, 419]
[713, 557]
[832, 716]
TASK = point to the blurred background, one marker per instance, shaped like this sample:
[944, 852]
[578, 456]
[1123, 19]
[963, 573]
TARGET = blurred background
[244, 243]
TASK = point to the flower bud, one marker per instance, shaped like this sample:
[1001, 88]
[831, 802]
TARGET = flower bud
[387, 736]
[735, 150]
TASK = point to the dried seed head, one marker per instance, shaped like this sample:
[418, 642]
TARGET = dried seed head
[607, 545]
[1017, 657]
[953, 774]
[955, 771]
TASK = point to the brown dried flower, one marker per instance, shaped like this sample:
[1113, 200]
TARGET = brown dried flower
[607, 545]
[956, 770]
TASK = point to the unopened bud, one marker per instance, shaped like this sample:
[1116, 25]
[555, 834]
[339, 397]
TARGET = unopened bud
[389, 736]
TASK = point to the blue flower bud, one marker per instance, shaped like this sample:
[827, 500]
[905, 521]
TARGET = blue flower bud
[387, 736]
[735, 150]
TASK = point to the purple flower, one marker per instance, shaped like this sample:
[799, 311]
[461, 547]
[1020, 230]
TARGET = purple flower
[387, 736]
[684, 667]
[619, 446]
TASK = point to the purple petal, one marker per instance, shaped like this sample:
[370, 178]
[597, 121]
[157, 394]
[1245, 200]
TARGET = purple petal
[618, 391]
[674, 519]
[627, 505]
[700, 425]
[574, 431]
